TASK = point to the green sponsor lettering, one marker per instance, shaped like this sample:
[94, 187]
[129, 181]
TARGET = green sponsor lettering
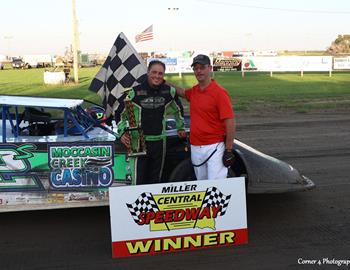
[56, 152]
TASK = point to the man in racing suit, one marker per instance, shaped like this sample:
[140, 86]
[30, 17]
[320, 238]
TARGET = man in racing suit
[151, 100]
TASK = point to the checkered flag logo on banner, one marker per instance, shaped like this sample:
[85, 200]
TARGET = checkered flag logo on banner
[144, 203]
[123, 69]
[214, 197]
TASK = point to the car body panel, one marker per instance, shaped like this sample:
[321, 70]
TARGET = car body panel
[267, 174]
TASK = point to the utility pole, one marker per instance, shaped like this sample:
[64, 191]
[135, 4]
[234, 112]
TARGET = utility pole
[174, 11]
[75, 43]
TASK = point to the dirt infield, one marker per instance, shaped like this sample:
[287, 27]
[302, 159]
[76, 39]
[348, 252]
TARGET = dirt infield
[285, 230]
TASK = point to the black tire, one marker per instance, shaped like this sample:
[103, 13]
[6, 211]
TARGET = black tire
[183, 172]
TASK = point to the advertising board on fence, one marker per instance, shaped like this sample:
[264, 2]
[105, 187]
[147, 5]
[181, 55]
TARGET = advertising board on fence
[287, 63]
[226, 64]
[179, 216]
[341, 63]
[175, 64]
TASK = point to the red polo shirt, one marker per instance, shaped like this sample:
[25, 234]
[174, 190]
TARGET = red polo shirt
[208, 110]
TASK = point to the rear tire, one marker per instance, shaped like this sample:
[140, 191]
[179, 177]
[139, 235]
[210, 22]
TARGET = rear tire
[183, 172]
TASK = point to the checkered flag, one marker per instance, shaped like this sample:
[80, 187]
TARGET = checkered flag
[144, 203]
[214, 197]
[123, 69]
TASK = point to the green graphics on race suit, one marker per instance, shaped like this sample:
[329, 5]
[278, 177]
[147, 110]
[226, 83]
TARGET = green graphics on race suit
[149, 113]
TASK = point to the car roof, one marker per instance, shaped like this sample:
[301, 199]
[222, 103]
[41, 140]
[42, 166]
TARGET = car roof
[40, 102]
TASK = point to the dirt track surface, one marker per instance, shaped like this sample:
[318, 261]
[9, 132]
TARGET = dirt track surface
[284, 229]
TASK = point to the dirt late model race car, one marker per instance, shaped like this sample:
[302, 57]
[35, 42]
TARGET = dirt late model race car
[54, 154]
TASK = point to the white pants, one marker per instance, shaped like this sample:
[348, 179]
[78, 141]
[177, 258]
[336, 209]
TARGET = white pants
[213, 168]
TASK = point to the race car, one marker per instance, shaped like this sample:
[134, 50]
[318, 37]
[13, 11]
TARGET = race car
[56, 154]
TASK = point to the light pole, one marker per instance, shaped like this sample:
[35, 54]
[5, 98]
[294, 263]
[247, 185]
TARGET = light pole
[75, 42]
[173, 11]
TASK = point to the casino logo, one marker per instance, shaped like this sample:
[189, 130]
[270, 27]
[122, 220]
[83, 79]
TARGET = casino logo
[81, 166]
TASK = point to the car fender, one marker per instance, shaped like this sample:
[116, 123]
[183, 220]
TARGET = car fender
[267, 174]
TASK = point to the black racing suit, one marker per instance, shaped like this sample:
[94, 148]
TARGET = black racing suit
[150, 105]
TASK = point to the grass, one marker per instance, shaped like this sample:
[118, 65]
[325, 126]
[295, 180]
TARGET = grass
[30, 82]
[254, 92]
[259, 91]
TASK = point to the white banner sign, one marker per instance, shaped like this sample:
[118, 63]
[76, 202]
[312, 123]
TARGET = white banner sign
[287, 63]
[175, 64]
[159, 218]
[341, 63]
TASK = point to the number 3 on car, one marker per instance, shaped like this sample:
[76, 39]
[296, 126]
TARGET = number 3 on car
[15, 169]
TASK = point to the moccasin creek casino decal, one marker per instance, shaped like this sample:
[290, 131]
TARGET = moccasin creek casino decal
[85, 165]
[171, 217]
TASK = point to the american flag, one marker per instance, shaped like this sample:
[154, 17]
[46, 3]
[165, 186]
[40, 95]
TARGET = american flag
[123, 69]
[145, 35]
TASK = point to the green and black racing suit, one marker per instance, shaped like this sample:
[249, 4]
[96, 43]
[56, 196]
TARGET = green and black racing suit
[150, 106]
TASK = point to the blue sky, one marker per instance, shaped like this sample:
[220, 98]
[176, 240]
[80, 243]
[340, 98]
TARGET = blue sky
[44, 26]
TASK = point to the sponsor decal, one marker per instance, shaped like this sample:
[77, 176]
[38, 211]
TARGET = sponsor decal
[81, 165]
[79, 197]
[152, 102]
[56, 197]
[141, 93]
[15, 168]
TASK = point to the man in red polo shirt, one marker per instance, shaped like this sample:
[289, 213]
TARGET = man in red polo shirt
[212, 123]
